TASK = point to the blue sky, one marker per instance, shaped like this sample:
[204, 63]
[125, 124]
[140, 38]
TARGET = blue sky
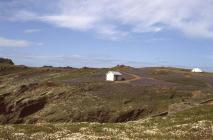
[104, 33]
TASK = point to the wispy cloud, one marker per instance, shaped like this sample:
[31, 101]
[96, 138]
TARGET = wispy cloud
[192, 17]
[77, 22]
[5, 42]
[28, 31]
[111, 33]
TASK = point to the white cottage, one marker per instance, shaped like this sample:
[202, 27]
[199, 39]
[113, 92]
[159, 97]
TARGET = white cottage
[197, 70]
[113, 76]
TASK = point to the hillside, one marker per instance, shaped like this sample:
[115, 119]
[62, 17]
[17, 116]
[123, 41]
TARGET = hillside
[190, 124]
[62, 96]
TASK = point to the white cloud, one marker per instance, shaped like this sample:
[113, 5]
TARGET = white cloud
[192, 17]
[5, 42]
[31, 30]
[79, 22]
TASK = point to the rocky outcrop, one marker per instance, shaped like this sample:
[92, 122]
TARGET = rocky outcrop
[14, 107]
[130, 115]
[178, 107]
[16, 112]
[6, 61]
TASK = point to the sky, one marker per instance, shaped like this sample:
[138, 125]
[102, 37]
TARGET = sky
[104, 33]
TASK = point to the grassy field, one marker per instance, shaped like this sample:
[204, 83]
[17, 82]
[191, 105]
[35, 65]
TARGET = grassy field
[56, 99]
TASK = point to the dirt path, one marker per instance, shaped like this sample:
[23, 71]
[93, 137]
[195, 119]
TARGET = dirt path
[135, 78]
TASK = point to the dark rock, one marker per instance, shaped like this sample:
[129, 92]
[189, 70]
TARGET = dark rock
[130, 115]
[172, 96]
[127, 101]
[85, 67]
[122, 66]
[25, 88]
[2, 103]
[47, 66]
[160, 114]
[16, 112]
[31, 107]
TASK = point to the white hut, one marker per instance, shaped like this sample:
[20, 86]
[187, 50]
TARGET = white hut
[113, 76]
[197, 70]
